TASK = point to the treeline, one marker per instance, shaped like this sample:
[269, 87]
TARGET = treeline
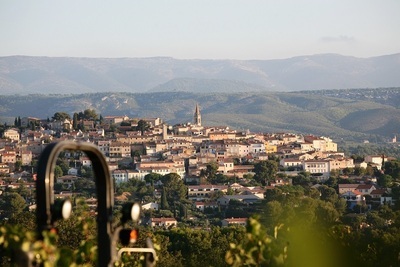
[362, 150]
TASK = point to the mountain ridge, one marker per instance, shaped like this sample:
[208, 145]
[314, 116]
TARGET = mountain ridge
[27, 74]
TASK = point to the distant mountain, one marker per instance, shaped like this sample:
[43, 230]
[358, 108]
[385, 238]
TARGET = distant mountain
[342, 116]
[45, 75]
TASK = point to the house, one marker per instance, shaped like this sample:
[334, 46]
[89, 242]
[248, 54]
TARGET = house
[150, 206]
[378, 193]
[291, 163]
[27, 121]
[234, 221]
[114, 119]
[4, 168]
[353, 198]
[12, 134]
[340, 163]
[248, 199]
[202, 192]
[73, 171]
[365, 189]
[92, 203]
[119, 176]
[343, 188]
[66, 180]
[163, 222]
[119, 150]
[317, 168]
[201, 206]
[8, 157]
[26, 158]
[85, 161]
[382, 195]
[376, 159]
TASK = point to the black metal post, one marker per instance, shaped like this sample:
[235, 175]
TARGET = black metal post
[104, 188]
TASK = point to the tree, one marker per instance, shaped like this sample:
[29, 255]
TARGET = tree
[61, 116]
[164, 202]
[265, 171]
[258, 248]
[12, 204]
[392, 168]
[58, 172]
[75, 121]
[63, 163]
[142, 126]
[152, 177]
[210, 171]
[18, 165]
[86, 172]
[90, 114]
[175, 189]
[385, 180]
[137, 154]
[359, 171]
[273, 211]
[328, 193]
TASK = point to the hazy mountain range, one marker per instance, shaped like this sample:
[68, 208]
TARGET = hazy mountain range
[260, 95]
[45, 75]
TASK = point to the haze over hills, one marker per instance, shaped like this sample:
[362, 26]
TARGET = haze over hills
[355, 114]
[45, 75]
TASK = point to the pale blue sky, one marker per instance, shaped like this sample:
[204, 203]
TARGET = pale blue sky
[206, 29]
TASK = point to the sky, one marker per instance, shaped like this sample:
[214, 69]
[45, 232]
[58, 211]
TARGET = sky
[199, 29]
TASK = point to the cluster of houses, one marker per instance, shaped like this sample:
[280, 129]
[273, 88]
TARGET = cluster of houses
[185, 149]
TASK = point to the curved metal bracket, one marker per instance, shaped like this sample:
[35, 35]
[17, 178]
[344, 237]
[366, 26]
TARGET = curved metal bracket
[104, 189]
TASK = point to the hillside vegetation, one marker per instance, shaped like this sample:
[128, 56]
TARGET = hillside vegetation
[304, 112]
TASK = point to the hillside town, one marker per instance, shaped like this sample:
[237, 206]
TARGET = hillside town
[224, 173]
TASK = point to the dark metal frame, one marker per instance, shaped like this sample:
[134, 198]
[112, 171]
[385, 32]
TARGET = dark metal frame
[104, 189]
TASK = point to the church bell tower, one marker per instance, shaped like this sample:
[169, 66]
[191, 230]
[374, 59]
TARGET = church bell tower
[197, 116]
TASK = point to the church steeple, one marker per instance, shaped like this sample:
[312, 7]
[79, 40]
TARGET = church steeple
[197, 116]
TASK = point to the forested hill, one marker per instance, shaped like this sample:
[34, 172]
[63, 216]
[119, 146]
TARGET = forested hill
[336, 113]
[46, 75]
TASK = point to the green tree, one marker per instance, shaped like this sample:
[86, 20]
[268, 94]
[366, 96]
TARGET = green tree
[58, 172]
[265, 171]
[12, 204]
[86, 172]
[142, 126]
[175, 189]
[258, 248]
[209, 173]
[60, 116]
[152, 177]
[392, 168]
[328, 193]
[18, 165]
[75, 121]
[164, 202]
[385, 180]
[359, 171]
[90, 114]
